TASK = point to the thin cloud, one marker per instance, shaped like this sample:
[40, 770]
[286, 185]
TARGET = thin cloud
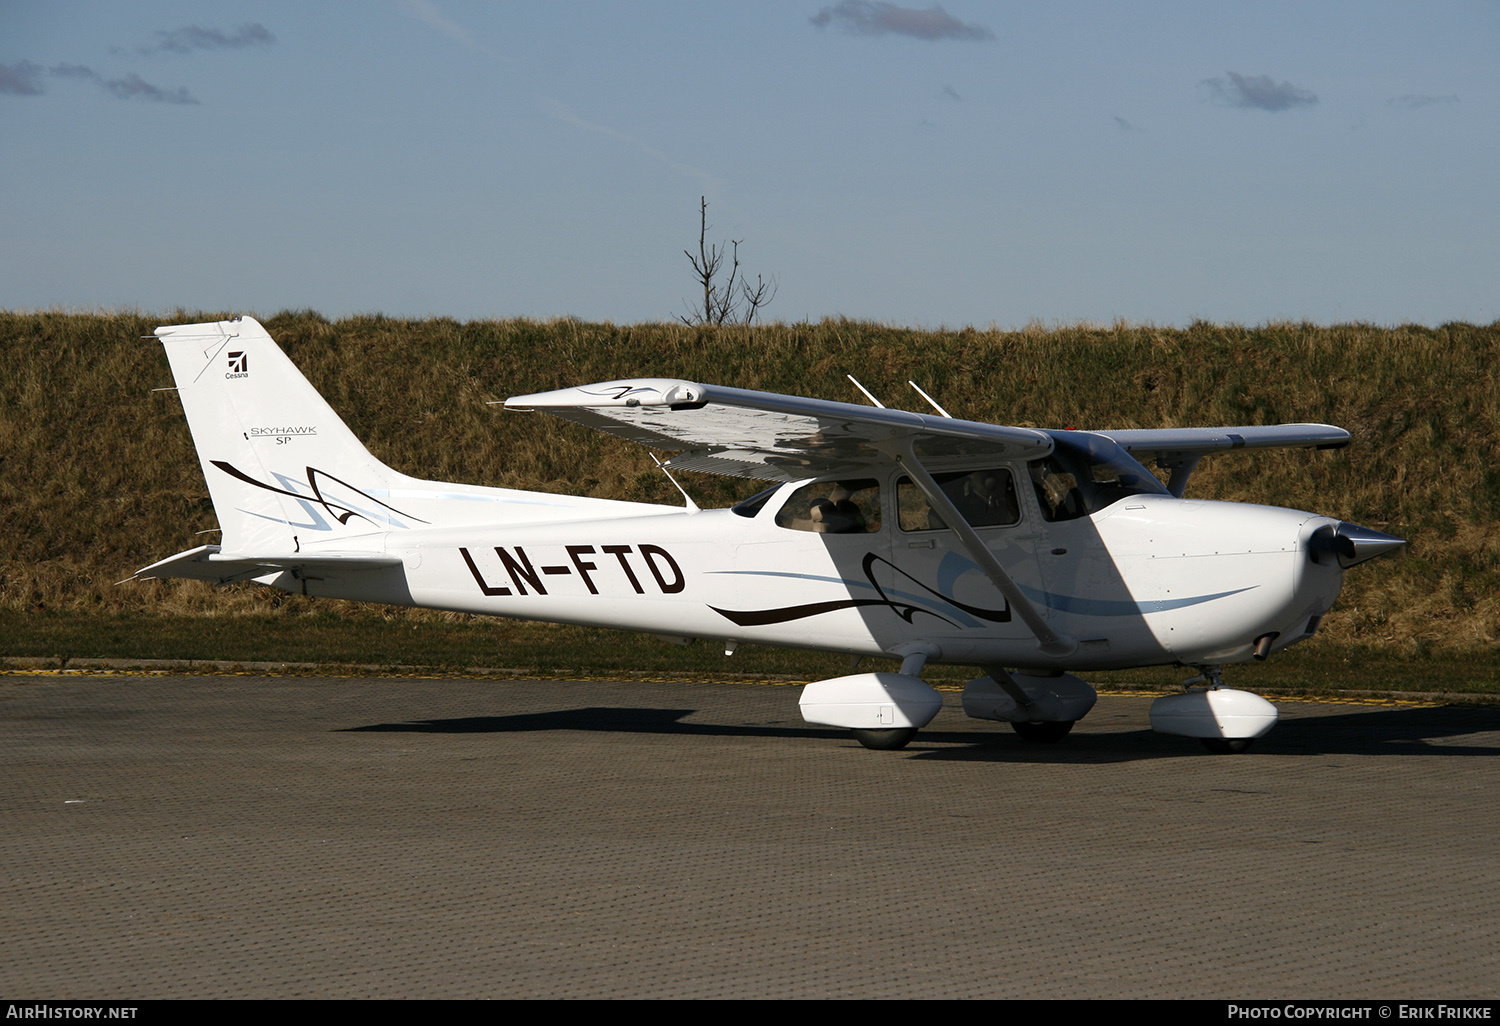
[1414, 101]
[425, 11]
[131, 87]
[23, 79]
[73, 71]
[1257, 92]
[195, 37]
[876, 18]
[562, 112]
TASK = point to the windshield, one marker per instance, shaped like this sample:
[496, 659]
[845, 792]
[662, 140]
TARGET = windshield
[1086, 473]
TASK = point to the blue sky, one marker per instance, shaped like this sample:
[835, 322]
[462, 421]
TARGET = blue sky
[973, 163]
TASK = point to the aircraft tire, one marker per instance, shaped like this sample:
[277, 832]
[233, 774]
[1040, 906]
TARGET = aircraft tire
[1227, 745]
[886, 740]
[1043, 731]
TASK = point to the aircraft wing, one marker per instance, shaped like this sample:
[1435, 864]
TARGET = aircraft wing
[742, 433]
[1202, 441]
[1180, 449]
[208, 563]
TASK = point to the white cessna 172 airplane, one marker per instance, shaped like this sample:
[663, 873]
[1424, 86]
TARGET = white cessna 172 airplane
[886, 533]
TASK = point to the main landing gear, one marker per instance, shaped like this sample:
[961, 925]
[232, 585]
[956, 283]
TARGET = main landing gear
[1039, 707]
[1042, 731]
[885, 710]
[885, 740]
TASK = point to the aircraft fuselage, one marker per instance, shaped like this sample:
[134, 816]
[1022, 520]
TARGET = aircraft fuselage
[1150, 579]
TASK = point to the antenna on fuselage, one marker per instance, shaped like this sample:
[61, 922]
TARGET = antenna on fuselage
[691, 505]
[865, 390]
[931, 401]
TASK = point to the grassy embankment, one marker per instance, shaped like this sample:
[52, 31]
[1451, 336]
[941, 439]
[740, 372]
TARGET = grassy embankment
[98, 475]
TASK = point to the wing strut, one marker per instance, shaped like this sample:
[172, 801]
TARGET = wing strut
[1053, 643]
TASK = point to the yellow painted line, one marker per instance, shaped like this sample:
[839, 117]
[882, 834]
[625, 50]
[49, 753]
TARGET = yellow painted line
[1391, 702]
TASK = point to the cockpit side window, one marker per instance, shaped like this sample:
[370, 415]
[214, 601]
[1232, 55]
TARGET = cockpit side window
[986, 498]
[1056, 490]
[833, 507]
[1085, 474]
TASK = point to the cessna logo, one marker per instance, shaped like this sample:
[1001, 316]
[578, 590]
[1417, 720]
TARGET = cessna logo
[524, 575]
[239, 366]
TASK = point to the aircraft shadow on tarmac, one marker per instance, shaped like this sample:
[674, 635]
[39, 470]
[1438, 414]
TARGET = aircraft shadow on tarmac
[1365, 731]
[605, 719]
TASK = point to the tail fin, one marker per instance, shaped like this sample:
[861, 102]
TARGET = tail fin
[281, 467]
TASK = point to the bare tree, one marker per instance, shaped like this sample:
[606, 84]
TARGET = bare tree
[730, 301]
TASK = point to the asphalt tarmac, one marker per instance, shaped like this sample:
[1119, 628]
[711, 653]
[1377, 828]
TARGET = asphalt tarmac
[276, 837]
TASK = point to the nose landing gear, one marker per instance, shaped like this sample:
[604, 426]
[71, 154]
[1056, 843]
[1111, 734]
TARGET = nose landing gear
[1227, 745]
[1225, 720]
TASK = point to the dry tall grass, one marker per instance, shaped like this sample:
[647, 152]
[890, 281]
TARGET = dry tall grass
[98, 475]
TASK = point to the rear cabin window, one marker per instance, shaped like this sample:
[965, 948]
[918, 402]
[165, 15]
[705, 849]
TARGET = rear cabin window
[753, 505]
[986, 498]
[833, 507]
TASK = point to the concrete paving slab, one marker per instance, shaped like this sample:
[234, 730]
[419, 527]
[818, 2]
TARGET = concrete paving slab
[295, 837]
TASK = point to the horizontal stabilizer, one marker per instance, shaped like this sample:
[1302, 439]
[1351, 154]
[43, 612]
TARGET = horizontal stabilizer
[208, 563]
